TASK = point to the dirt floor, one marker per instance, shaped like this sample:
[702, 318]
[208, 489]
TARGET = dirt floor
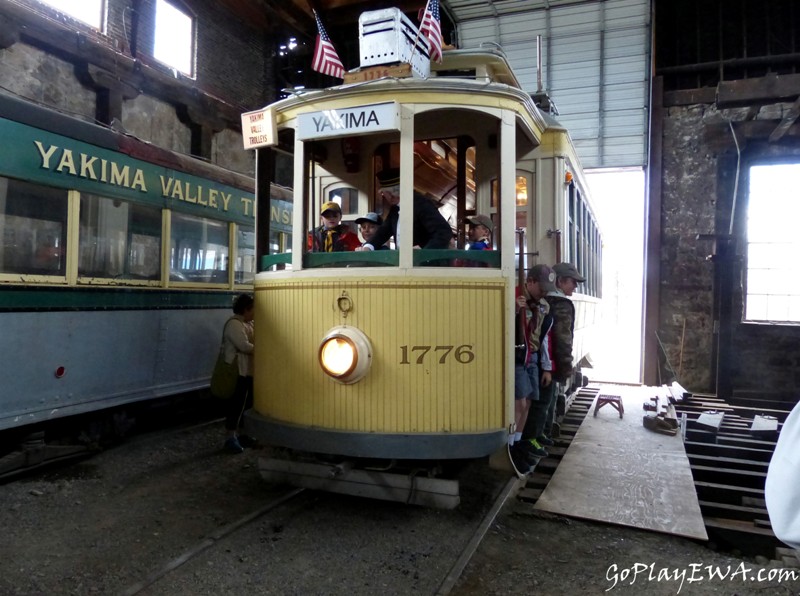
[102, 525]
[531, 552]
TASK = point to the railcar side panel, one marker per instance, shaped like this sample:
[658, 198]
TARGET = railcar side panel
[73, 362]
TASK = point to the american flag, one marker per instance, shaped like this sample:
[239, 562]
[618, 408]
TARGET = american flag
[326, 60]
[432, 29]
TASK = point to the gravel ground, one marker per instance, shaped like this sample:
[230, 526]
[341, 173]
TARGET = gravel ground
[106, 524]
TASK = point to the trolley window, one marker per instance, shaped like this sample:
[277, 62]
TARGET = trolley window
[33, 228]
[119, 240]
[245, 266]
[198, 250]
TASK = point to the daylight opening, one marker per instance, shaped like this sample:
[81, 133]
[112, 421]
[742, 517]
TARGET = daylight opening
[773, 244]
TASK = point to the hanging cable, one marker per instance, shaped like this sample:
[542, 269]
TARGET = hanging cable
[736, 179]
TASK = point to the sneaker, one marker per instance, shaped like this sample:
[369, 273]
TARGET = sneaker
[247, 441]
[533, 447]
[520, 460]
[545, 441]
[524, 452]
[232, 445]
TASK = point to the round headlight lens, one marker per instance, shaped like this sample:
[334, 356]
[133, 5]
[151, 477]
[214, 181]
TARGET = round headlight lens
[338, 356]
[345, 354]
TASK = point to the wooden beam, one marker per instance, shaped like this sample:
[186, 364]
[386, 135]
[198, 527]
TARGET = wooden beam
[768, 89]
[787, 122]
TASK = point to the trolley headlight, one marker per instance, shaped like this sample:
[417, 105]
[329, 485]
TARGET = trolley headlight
[345, 354]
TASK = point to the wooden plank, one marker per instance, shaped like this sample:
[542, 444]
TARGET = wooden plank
[731, 511]
[728, 462]
[617, 471]
[416, 490]
[741, 478]
[530, 494]
[754, 502]
[743, 536]
[726, 493]
[734, 451]
[738, 525]
[710, 421]
[764, 427]
[373, 73]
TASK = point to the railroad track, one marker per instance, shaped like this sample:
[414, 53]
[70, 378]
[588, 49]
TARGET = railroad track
[216, 540]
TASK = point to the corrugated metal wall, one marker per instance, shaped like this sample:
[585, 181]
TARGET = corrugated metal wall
[595, 67]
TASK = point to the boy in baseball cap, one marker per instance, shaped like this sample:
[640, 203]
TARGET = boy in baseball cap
[332, 235]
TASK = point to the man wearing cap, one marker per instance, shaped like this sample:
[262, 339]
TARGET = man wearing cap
[563, 312]
[332, 235]
[431, 229]
[368, 225]
[532, 364]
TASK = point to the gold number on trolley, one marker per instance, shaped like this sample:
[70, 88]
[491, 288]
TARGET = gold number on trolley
[463, 353]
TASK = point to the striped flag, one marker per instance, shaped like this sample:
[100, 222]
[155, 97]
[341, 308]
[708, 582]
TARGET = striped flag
[432, 29]
[326, 60]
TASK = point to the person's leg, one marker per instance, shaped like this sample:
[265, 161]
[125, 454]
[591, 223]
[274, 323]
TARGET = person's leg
[547, 397]
[244, 439]
[236, 404]
[535, 412]
[550, 413]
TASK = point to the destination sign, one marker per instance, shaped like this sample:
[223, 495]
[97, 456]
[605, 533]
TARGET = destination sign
[348, 121]
[258, 129]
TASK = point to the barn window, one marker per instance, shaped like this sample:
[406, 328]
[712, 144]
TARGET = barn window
[773, 244]
[174, 37]
[91, 12]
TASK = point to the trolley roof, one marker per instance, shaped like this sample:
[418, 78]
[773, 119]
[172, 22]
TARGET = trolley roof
[466, 79]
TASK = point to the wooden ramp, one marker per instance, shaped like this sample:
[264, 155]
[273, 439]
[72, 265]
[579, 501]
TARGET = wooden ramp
[617, 471]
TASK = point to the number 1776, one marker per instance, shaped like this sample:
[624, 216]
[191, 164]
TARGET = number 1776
[463, 354]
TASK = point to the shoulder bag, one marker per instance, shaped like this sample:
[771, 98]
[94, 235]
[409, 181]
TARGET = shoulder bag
[225, 375]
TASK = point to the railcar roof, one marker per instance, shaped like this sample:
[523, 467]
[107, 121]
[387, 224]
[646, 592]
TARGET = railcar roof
[490, 63]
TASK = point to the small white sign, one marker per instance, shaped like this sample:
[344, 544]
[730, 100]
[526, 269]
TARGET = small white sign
[348, 121]
[258, 129]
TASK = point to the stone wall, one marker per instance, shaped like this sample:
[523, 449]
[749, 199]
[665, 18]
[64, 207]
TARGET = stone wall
[31, 73]
[699, 172]
[234, 66]
[688, 209]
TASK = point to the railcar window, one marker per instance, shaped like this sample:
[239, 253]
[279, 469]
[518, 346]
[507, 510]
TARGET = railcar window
[347, 198]
[198, 250]
[118, 239]
[174, 36]
[245, 266]
[33, 228]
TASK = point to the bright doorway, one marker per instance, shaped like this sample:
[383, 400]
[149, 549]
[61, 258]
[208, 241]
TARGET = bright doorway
[618, 197]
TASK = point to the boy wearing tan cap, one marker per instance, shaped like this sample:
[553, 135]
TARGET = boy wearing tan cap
[332, 235]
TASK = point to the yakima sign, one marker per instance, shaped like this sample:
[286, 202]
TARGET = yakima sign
[348, 121]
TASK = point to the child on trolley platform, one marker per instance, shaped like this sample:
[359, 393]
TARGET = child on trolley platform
[531, 358]
[332, 235]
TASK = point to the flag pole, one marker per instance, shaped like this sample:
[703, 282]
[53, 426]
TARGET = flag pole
[419, 31]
